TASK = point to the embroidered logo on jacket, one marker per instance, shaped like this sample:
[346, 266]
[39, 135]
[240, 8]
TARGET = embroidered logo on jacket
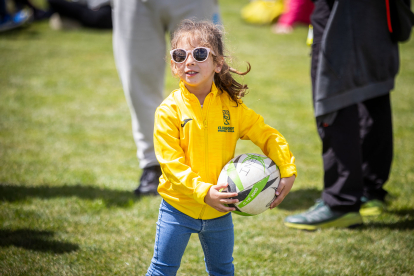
[185, 121]
[225, 129]
[226, 121]
[226, 117]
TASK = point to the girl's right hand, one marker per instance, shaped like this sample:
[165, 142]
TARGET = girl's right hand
[217, 199]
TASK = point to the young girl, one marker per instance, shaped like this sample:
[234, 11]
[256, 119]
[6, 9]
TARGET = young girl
[195, 135]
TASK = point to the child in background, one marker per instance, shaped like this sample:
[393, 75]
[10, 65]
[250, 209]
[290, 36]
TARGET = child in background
[297, 12]
[192, 152]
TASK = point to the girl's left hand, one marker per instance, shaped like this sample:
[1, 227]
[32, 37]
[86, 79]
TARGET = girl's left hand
[284, 188]
[217, 199]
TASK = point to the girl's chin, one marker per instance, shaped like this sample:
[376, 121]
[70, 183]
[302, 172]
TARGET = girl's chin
[190, 81]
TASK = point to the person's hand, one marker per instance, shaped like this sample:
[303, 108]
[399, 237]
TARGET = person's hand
[217, 199]
[284, 188]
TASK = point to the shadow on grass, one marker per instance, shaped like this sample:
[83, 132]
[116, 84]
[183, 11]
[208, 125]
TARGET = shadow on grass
[406, 222]
[23, 32]
[35, 240]
[300, 199]
[305, 198]
[111, 198]
[400, 225]
[402, 213]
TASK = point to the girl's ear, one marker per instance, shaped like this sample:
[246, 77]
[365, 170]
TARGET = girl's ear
[219, 65]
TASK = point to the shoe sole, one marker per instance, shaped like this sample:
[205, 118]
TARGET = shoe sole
[346, 221]
[371, 211]
[372, 208]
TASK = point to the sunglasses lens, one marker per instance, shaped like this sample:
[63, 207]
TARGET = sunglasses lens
[200, 54]
[179, 55]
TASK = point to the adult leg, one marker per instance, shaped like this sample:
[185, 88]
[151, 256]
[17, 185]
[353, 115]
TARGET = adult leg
[377, 145]
[173, 233]
[139, 50]
[217, 240]
[340, 139]
[343, 181]
[339, 132]
[176, 11]
[342, 159]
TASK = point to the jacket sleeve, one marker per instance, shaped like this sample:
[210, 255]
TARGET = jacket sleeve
[171, 157]
[268, 139]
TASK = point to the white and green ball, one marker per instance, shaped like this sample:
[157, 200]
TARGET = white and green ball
[255, 178]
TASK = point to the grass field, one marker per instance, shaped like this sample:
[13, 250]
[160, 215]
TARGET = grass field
[68, 165]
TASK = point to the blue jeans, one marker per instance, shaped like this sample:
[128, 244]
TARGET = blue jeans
[174, 229]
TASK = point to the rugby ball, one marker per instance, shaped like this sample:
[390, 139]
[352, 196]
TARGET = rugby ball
[255, 178]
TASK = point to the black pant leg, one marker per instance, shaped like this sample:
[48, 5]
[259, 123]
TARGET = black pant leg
[342, 160]
[357, 153]
[100, 18]
[68, 9]
[377, 145]
[341, 141]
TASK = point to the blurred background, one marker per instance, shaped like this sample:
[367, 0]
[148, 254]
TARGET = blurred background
[68, 161]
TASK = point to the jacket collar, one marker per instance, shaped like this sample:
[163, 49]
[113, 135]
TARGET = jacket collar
[187, 94]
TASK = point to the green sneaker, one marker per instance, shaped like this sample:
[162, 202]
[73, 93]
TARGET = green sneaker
[373, 207]
[321, 216]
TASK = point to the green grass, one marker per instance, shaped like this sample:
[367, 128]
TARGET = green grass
[68, 165]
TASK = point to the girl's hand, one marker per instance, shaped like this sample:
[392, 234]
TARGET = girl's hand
[284, 188]
[217, 199]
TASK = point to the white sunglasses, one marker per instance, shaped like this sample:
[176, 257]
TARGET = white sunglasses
[200, 54]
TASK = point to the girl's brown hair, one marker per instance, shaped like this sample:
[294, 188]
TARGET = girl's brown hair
[211, 35]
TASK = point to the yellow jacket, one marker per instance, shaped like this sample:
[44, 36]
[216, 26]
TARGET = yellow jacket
[193, 143]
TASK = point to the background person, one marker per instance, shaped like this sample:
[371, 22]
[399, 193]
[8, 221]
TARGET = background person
[88, 13]
[139, 29]
[354, 64]
[22, 13]
[296, 12]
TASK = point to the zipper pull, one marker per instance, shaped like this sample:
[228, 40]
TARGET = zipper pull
[205, 123]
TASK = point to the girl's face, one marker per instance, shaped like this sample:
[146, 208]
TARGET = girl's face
[197, 76]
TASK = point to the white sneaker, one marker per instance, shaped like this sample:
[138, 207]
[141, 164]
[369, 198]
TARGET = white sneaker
[58, 22]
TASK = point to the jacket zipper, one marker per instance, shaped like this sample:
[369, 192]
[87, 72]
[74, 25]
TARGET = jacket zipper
[205, 125]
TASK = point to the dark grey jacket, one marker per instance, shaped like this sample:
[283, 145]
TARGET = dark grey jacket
[358, 60]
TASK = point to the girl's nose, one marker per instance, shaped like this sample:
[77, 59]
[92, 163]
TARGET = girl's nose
[190, 59]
